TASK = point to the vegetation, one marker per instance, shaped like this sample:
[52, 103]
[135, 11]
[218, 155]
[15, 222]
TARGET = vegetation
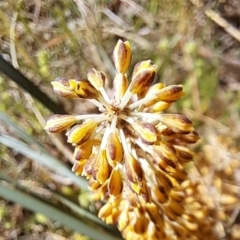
[194, 43]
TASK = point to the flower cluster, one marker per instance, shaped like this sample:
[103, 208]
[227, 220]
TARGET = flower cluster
[219, 166]
[133, 153]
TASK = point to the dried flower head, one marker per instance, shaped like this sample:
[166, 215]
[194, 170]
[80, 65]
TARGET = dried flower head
[219, 166]
[133, 153]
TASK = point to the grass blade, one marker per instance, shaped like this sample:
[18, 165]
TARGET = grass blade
[36, 205]
[28, 86]
[19, 131]
[42, 157]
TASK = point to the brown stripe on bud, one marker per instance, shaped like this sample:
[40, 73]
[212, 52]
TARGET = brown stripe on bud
[155, 214]
[115, 184]
[88, 168]
[133, 169]
[142, 80]
[96, 78]
[83, 89]
[177, 122]
[164, 180]
[166, 150]
[101, 169]
[170, 214]
[170, 93]
[179, 174]
[192, 137]
[146, 131]
[166, 164]
[122, 56]
[160, 194]
[81, 133]
[178, 196]
[141, 66]
[63, 81]
[176, 207]
[141, 225]
[145, 194]
[58, 123]
[62, 87]
[164, 130]
[184, 154]
[84, 150]
[114, 150]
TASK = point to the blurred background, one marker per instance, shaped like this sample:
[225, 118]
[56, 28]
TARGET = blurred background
[194, 43]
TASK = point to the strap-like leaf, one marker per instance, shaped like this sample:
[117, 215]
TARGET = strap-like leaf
[27, 85]
[34, 204]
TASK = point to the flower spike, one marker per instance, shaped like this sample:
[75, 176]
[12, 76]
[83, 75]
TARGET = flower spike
[131, 151]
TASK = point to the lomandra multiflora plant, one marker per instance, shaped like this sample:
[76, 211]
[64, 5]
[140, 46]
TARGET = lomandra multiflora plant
[134, 154]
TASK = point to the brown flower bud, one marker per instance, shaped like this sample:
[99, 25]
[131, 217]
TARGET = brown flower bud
[88, 168]
[141, 225]
[122, 56]
[133, 169]
[169, 213]
[114, 150]
[120, 85]
[177, 122]
[166, 150]
[184, 154]
[161, 106]
[151, 90]
[83, 89]
[93, 184]
[96, 78]
[154, 214]
[123, 220]
[113, 218]
[142, 65]
[84, 150]
[101, 169]
[115, 184]
[168, 165]
[142, 78]
[58, 123]
[105, 211]
[78, 166]
[160, 193]
[62, 87]
[145, 193]
[81, 133]
[170, 93]
[192, 137]
[177, 195]
[176, 207]
[146, 131]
